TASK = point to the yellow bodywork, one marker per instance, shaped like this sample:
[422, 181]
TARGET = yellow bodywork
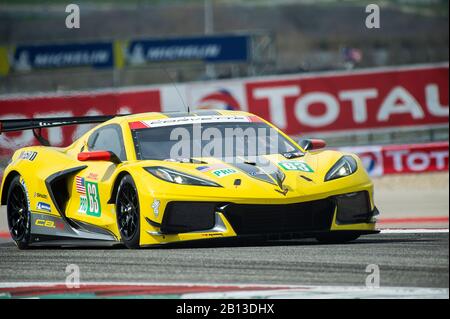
[105, 175]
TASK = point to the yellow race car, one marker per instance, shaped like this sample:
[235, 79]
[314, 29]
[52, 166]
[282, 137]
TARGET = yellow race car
[160, 178]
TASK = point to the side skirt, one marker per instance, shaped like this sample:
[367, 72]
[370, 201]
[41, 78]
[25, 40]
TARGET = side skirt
[55, 231]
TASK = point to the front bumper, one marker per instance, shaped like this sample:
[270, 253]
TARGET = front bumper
[184, 220]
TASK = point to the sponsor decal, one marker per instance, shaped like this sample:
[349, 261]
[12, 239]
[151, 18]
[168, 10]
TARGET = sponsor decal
[39, 195]
[156, 204]
[28, 155]
[80, 185]
[45, 223]
[212, 235]
[41, 220]
[224, 172]
[296, 166]
[44, 206]
[92, 176]
[83, 205]
[93, 198]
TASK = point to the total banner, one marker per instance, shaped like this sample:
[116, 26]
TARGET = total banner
[403, 159]
[362, 100]
[335, 101]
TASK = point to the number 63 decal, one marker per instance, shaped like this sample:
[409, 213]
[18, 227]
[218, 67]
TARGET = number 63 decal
[94, 208]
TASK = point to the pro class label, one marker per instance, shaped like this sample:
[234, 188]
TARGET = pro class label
[224, 172]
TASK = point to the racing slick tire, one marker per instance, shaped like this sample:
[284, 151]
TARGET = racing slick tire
[18, 213]
[337, 238]
[128, 212]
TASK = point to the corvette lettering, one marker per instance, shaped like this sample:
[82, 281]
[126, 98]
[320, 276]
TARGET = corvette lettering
[189, 120]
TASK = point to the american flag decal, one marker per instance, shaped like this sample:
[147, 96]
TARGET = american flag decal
[81, 187]
[211, 167]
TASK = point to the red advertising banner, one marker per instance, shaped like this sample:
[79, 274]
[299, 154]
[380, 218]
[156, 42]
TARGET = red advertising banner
[331, 101]
[360, 100]
[82, 104]
[417, 158]
[297, 104]
[403, 159]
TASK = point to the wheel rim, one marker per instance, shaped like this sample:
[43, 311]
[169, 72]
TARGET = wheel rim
[17, 213]
[128, 211]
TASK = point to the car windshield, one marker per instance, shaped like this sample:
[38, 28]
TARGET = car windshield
[218, 140]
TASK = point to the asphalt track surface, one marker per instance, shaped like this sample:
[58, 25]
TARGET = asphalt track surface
[404, 260]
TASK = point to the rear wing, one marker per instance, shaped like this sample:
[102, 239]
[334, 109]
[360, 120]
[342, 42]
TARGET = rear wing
[40, 123]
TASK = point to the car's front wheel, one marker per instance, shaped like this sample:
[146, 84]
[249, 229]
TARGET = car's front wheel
[128, 213]
[18, 213]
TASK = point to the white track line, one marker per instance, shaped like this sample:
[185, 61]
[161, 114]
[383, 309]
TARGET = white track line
[121, 283]
[414, 231]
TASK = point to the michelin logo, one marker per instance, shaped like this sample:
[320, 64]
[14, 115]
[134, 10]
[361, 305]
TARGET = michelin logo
[44, 206]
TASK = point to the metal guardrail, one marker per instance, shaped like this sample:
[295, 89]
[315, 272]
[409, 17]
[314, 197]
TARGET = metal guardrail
[406, 135]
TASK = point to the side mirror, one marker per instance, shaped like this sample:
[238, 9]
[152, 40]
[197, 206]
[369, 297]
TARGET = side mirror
[105, 156]
[312, 144]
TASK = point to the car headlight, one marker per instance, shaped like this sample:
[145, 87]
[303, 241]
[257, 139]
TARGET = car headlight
[345, 166]
[172, 176]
